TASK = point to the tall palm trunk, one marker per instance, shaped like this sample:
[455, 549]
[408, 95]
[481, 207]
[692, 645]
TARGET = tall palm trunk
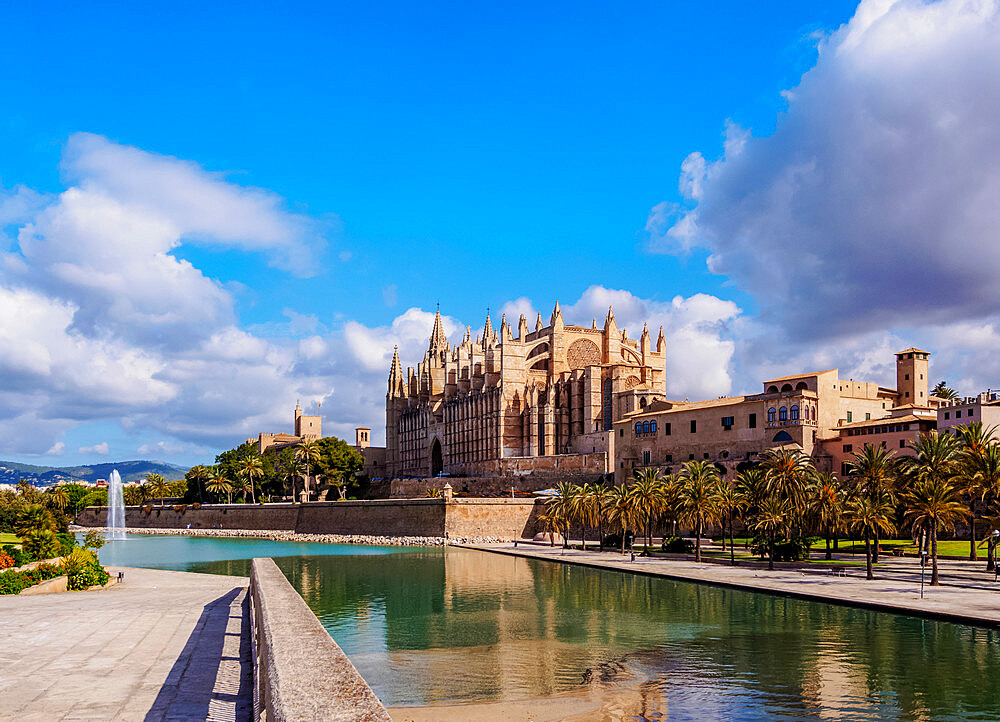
[732, 545]
[875, 542]
[649, 533]
[770, 553]
[934, 563]
[836, 544]
[697, 538]
[829, 556]
[600, 533]
[972, 533]
[868, 555]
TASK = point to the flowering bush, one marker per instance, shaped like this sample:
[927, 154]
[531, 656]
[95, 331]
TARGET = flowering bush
[12, 582]
[6, 560]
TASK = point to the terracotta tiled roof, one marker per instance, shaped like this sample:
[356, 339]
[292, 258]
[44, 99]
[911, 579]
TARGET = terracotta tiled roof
[911, 349]
[907, 419]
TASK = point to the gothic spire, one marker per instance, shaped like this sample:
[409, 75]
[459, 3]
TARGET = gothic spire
[439, 342]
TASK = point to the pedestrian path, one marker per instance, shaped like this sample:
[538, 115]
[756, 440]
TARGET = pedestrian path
[160, 646]
[898, 592]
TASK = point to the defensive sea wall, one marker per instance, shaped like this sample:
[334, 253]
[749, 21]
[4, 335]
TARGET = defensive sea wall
[503, 518]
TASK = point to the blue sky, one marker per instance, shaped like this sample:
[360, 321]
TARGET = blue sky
[477, 156]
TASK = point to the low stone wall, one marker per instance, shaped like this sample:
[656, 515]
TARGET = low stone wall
[300, 673]
[467, 486]
[502, 518]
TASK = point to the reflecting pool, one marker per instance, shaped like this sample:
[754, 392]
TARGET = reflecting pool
[458, 627]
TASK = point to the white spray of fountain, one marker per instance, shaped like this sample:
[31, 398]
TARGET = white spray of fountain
[116, 508]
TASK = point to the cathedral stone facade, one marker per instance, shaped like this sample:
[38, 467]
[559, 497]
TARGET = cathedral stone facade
[516, 402]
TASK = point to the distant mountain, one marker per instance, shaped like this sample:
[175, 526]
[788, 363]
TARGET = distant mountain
[11, 472]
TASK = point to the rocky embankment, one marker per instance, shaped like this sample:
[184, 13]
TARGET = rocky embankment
[423, 541]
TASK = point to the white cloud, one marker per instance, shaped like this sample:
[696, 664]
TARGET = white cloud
[100, 449]
[56, 449]
[873, 205]
[161, 447]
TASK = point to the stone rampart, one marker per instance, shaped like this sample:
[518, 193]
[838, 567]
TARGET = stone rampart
[299, 671]
[503, 518]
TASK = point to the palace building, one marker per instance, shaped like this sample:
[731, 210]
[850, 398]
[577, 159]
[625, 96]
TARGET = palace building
[515, 402]
[819, 413]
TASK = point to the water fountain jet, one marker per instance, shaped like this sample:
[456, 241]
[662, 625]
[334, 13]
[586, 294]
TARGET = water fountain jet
[116, 508]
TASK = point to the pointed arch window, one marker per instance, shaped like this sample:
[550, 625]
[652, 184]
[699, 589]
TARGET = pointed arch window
[795, 412]
[783, 414]
[770, 415]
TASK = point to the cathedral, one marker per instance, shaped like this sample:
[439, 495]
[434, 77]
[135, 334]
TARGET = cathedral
[514, 402]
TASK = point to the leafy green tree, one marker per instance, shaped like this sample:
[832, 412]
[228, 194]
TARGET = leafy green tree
[309, 454]
[650, 500]
[623, 513]
[339, 463]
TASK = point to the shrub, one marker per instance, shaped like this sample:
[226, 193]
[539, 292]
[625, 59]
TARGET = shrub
[77, 560]
[93, 539]
[677, 545]
[41, 544]
[12, 582]
[6, 560]
[90, 575]
[16, 554]
[67, 542]
[615, 540]
[785, 550]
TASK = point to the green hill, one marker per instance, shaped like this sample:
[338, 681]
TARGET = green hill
[12, 472]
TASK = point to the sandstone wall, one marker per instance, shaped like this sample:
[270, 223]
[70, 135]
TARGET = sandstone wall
[507, 518]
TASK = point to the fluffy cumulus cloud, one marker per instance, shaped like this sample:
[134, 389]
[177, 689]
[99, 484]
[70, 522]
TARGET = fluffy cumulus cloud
[873, 204]
[100, 320]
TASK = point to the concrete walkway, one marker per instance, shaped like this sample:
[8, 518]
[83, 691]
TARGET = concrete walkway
[900, 593]
[160, 646]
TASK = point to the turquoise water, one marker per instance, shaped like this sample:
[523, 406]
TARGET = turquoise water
[433, 626]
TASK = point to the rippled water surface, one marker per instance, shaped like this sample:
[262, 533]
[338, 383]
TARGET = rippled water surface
[433, 626]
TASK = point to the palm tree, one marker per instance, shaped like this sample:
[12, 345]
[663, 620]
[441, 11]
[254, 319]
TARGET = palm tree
[647, 495]
[786, 474]
[874, 472]
[158, 485]
[588, 509]
[310, 453]
[942, 391]
[870, 516]
[750, 482]
[731, 502]
[827, 506]
[59, 498]
[987, 472]
[562, 508]
[976, 439]
[622, 511]
[772, 514]
[936, 458]
[292, 469]
[251, 466]
[199, 475]
[934, 503]
[219, 485]
[33, 517]
[700, 496]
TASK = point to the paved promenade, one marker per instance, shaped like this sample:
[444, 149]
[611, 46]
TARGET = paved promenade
[897, 591]
[161, 646]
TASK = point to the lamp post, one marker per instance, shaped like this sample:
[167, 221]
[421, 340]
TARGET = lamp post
[923, 568]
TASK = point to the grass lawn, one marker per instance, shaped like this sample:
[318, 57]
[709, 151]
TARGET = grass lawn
[6, 538]
[958, 548]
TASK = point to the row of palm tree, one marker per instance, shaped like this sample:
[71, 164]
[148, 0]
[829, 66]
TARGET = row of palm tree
[946, 479]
